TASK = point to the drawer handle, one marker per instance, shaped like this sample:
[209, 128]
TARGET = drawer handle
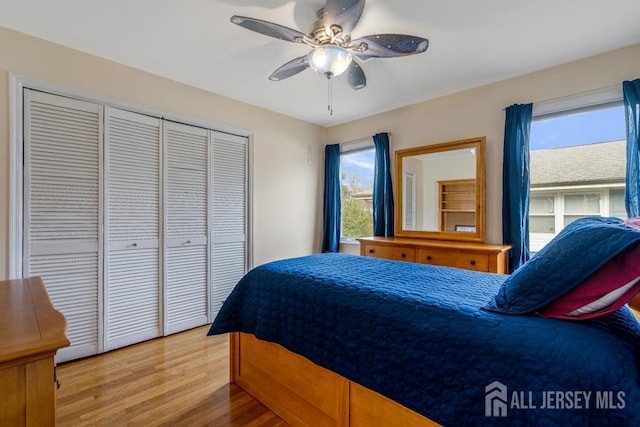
[428, 257]
[403, 255]
[473, 262]
[371, 251]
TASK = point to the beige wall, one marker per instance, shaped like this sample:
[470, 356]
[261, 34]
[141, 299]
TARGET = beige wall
[286, 192]
[479, 112]
[442, 169]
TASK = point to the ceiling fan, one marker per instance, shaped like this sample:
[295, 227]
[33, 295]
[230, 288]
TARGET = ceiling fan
[333, 51]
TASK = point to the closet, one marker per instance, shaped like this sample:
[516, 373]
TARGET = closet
[136, 224]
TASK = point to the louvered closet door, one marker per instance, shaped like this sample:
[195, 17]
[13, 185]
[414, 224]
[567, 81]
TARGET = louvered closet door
[132, 222]
[229, 215]
[187, 251]
[62, 220]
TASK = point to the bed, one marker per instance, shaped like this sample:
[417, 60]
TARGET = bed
[341, 340]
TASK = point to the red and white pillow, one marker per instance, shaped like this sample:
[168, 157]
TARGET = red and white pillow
[608, 289]
[633, 222]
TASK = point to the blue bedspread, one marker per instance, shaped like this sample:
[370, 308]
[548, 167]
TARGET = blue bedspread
[417, 335]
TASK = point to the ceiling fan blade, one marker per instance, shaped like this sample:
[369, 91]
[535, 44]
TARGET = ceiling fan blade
[270, 29]
[345, 13]
[289, 69]
[387, 46]
[355, 76]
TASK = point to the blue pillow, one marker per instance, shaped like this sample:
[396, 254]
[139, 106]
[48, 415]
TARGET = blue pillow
[577, 252]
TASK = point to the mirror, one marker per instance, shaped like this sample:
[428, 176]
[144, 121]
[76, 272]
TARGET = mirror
[440, 191]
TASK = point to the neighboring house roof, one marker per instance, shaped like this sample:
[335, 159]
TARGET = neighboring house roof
[365, 194]
[584, 164]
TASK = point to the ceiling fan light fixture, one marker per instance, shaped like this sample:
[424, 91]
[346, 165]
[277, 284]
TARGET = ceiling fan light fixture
[333, 50]
[329, 60]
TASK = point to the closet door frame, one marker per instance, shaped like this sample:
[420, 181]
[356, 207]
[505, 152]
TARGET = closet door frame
[17, 83]
[16, 210]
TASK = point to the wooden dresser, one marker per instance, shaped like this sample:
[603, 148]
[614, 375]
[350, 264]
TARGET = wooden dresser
[472, 256]
[31, 331]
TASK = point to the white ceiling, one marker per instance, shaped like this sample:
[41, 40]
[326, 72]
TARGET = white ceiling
[471, 43]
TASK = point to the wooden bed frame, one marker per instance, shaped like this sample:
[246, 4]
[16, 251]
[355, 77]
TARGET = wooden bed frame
[634, 305]
[305, 394]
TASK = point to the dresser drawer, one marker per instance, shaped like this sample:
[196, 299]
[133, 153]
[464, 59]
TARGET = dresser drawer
[398, 253]
[453, 258]
[469, 255]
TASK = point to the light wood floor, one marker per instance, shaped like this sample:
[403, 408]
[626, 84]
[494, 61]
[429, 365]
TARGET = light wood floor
[180, 380]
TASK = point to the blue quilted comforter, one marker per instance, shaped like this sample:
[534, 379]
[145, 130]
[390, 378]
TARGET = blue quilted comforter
[417, 334]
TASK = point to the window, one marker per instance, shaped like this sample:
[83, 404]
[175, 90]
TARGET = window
[616, 204]
[580, 205]
[578, 161]
[409, 201]
[542, 214]
[356, 177]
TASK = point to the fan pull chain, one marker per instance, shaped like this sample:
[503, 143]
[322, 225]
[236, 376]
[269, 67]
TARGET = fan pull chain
[330, 95]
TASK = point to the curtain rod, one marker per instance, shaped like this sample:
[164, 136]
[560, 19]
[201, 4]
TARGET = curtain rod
[593, 97]
[360, 140]
[356, 141]
[598, 91]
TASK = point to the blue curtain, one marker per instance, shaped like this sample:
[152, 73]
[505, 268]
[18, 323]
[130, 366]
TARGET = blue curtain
[382, 188]
[631, 95]
[331, 213]
[515, 183]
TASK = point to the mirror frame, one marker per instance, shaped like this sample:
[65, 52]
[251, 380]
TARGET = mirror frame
[479, 235]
